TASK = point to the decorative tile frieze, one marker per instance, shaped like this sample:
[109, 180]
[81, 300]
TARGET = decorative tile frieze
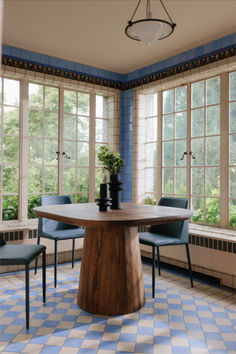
[51, 70]
[120, 85]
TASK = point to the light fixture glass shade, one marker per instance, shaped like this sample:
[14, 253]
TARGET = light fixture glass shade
[149, 30]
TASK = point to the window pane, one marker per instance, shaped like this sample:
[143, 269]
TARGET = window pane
[151, 180]
[180, 181]
[83, 128]
[197, 182]
[98, 179]
[213, 181]
[11, 121]
[150, 105]
[82, 198]
[168, 153]
[83, 102]
[168, 101]
[50, 149]
[101, 106]
[35, 151]
[35, 96]
[232, 149]
[33, 201]
[151, 155]
[213, 91]
[181, 125]
[11, 149]
[10, 179]
[51, 98]
[197, 94]
[83, 179]
[198, 209]
[35, 179]
[35, 123]
[51, 125]
[10, 207]
[180, 148]
[69, 101]
[232, 86]
[213, 211]
[232, 213]
[68, 179]
[11, 92]
[213, 120]
[151, 129]
[101, 130]
[197, 121]
[69, 127]
[181, 98]
[50, 179]
[198, 151]
[69, 148]
[83, 154]
[232, 182]
[168, 123]
[167, 180]
[232, 117]
[213, 150]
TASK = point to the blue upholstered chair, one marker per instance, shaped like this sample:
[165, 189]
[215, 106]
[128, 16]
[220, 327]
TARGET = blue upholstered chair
[15, 254]
[57, 231]
[170, 234]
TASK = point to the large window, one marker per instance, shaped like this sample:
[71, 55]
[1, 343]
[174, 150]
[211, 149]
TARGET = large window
[49, 135]
[197, 139]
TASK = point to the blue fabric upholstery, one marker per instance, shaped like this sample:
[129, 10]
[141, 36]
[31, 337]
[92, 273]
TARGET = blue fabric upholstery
[170, 234]
[56, 230]
[18, 254]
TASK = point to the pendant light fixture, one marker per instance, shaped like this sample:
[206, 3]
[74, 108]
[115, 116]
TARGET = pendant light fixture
[149, 30]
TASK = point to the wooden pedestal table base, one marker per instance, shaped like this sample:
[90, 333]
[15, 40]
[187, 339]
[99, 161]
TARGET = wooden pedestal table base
[111, 280]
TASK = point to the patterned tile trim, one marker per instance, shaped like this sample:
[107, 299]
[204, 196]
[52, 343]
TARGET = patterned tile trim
[74, 75]
[56, 71]
[183, 67]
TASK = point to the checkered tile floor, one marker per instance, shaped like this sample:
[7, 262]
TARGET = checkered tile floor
[180, 320]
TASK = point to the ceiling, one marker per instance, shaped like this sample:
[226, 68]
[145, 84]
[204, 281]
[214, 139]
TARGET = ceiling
[91, 32]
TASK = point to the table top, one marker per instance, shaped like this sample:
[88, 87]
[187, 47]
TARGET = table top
[130, 214]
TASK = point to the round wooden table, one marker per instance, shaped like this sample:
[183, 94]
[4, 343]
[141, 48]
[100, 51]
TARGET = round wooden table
[111, 280]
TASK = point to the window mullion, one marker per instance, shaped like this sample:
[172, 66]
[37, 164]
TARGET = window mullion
[23, 152]
[60, 140]
[224, 148]
[92, 147]
[159, 146]
[188, 156]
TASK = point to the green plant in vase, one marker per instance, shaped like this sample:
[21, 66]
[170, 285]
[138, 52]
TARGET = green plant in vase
[112, 162]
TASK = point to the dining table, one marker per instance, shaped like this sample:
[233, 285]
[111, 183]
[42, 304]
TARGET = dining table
[111, 278]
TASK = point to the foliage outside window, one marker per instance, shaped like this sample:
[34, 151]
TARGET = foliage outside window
[60, 138]
[191, 141]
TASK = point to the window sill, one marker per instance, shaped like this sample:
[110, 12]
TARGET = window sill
[212, 232]
[19, 225]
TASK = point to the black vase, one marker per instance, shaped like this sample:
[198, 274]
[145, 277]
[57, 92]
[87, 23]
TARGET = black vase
[115, 188]
[103, 202]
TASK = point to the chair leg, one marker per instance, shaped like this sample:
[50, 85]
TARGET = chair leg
[44, 276]
[158, 261]
[55, 264]
[189, 264]
[153, 271]
[27, 295]
[73, 252]
[36, 259]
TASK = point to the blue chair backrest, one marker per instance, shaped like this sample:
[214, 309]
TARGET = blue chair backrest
[48, 225]
[178, 229]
